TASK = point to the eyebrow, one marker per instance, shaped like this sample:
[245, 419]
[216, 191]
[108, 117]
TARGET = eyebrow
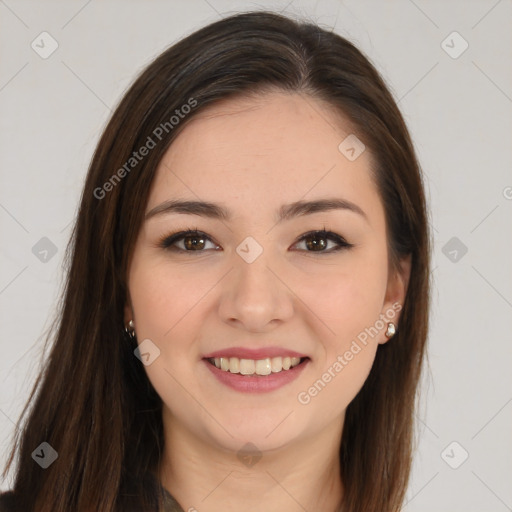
[285, 212]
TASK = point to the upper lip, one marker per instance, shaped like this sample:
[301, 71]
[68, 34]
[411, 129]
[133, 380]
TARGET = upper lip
[256, 354]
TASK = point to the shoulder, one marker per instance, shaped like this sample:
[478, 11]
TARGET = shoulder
[7, 501]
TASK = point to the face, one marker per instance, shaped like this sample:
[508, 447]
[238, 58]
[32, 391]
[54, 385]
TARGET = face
[257, 286]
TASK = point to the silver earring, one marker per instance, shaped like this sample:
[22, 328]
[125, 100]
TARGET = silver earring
[391, 330]
[130, 329]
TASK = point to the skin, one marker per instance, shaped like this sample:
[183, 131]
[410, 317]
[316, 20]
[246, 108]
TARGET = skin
[253, 155]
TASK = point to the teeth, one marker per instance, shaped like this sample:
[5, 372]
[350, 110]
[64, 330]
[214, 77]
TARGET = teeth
[247, 366]
[255, 367]
[276, 364]
[224, 364]
[263, 367]
[234, 365]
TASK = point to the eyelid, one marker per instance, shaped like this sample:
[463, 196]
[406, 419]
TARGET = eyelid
[168, 241]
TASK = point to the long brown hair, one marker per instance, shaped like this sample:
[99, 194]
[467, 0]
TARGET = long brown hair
[93, 402]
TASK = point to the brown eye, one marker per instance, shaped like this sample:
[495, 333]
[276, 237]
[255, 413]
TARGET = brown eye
[318, 241]
[193, 241]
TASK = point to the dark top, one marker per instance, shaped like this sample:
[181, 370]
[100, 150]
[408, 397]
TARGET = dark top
[170, 504]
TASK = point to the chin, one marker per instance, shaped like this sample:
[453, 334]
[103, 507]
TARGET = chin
[270, 432]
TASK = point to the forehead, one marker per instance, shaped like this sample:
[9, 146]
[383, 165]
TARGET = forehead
[263, 150]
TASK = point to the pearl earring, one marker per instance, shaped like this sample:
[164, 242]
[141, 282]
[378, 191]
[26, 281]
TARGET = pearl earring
[130, 329]
[391, 330]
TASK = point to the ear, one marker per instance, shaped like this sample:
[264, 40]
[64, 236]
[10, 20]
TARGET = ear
[398, 282]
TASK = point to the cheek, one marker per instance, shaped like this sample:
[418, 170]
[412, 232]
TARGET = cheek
[161, 297]
[347, 350]
[347, 298]
[348, 303]
[163, 303]
[169, 308]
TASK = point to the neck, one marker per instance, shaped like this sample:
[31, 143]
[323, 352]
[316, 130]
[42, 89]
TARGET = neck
[304, 475]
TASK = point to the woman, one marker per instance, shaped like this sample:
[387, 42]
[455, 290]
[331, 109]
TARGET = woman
[246, 308]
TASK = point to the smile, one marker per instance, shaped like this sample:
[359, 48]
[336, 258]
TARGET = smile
[255, 367]
[256, 375]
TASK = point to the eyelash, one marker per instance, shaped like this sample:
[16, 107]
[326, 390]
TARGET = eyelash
[168, 241]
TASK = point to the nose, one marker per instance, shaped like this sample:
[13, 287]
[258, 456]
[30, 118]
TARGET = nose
[256, 296]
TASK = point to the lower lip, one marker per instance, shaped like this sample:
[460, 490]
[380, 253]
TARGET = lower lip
[257, 383]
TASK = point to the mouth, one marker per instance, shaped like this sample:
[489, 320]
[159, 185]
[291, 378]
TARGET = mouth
[256, 367]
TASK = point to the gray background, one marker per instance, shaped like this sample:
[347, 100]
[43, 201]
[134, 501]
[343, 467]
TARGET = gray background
[458, 108]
